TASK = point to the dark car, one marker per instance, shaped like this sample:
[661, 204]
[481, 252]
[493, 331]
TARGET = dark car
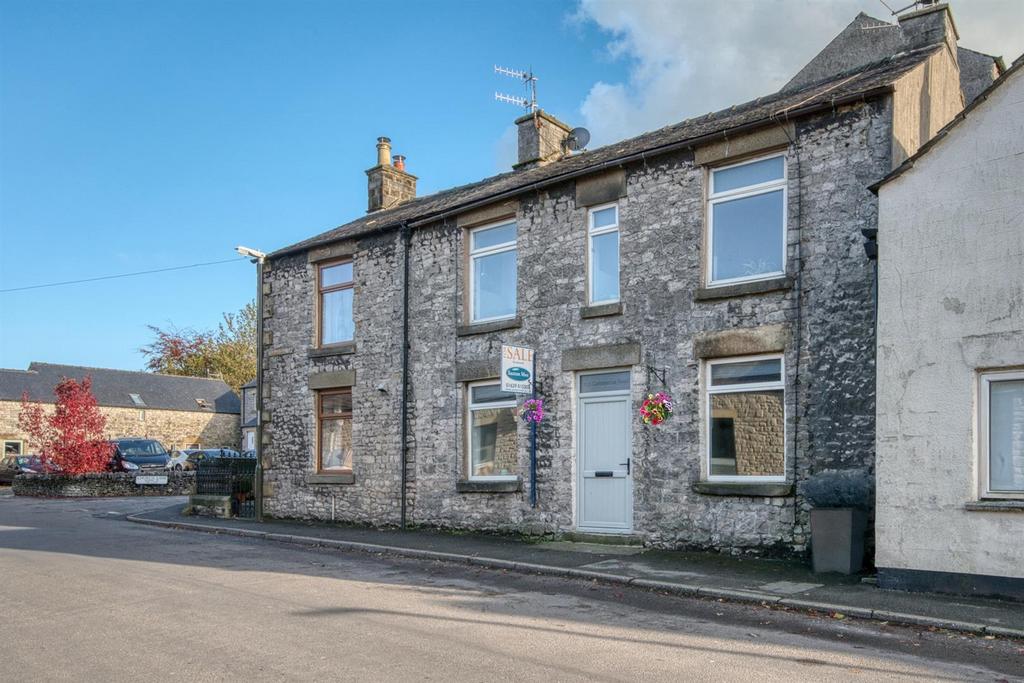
[134, 455]
[13, 465]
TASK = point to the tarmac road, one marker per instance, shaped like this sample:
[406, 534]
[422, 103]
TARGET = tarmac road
[86, 595]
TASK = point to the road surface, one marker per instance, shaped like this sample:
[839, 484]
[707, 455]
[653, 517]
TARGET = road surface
[87, 595]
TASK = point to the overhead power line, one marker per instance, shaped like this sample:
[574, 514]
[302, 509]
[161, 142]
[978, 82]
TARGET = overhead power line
[114, 277]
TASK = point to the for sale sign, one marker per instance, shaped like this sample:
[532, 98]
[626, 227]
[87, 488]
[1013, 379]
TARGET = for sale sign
[517, 369]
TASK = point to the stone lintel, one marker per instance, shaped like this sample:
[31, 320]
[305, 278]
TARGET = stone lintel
[597, 357]
[741, 342]
[756, 142]
[601, 188]
[332, 380]
[332, 251]
[488, 214]
[471, 370]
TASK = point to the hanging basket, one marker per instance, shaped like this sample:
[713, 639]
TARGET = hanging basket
[532, 411]
[656, 408]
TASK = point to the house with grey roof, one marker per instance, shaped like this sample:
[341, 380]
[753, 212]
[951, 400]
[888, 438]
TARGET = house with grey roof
[950, 445]
[179, 412]
[720, 260]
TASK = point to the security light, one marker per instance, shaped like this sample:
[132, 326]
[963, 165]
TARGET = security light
[251, 253]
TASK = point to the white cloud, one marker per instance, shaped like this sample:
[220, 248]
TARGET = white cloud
[689, 57]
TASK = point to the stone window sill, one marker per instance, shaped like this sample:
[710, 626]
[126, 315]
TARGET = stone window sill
[743, 289]
[345, 349]
[493, 326]
[601, 310]
[754, 490]
[494, 486]
[995, 506]
[340, 478]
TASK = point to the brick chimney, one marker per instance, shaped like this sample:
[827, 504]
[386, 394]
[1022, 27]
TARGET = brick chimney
[540, 139]
[387, 185]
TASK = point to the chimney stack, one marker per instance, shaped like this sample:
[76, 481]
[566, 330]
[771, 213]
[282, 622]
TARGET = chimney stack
[541, 138]
[388, 186]
[929, 25]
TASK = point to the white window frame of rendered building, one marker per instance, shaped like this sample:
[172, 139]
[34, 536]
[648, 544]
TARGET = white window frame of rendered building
[475, 254]
[715, 198]
[21, 447]
[593, 232]
[470, 407]
[710, 391]
[984, 427]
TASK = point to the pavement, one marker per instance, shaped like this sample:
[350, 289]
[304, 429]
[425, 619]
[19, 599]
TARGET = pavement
[88, 596]
[783, 584]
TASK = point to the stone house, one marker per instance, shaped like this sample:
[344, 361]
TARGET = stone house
[248, 397]
[720, 259]
[950, 450]
[179, 412]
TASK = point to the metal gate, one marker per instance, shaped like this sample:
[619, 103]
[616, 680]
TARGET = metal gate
[234, 477]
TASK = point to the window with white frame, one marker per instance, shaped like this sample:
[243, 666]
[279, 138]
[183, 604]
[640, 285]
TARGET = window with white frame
[13, 447]
[492, 272]
[747, 221]
[746, 423]
[491, 432]
[1001, 428]
[603, 254]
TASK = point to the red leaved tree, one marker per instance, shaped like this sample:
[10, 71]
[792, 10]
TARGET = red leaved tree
[71, 438]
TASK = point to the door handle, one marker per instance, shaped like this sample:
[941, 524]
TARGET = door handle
[627, 464]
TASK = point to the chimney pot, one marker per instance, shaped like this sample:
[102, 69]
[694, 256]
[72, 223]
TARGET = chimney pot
[383, 151]
[399, 162]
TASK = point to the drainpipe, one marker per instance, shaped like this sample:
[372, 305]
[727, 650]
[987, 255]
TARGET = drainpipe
[406, 238]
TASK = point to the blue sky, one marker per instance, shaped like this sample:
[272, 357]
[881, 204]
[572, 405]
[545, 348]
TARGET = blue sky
[144, 135]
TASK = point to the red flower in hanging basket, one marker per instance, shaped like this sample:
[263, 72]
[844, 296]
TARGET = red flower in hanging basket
[656, 408]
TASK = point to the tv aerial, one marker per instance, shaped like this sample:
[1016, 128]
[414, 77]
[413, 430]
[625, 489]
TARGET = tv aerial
[529, 81]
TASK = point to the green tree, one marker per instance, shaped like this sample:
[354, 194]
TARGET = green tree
[228, 352]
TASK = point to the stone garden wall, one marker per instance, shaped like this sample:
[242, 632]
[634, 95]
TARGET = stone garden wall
[100, 485]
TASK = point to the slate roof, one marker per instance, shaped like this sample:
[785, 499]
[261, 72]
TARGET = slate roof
[863, 82]
[113, 388]
[908, 164]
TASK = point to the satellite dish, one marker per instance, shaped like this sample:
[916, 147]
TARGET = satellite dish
[578, 139]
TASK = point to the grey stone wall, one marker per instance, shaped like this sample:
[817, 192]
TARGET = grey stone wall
[829, 384]
[100, 485]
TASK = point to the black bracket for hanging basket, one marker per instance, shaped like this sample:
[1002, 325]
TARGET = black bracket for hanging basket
[659, 373]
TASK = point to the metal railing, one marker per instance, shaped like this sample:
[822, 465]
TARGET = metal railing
[233, 477]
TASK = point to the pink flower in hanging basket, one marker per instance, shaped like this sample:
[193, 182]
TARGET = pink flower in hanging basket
[532, 410]
[656, 408]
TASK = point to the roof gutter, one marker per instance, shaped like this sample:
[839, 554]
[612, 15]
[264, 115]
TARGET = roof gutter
[689, 143]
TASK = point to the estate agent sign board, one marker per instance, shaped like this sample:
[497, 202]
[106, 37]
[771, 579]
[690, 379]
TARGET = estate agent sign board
[517, 369]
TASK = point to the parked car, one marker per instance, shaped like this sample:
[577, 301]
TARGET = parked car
[135, 455]
[13, 465]
[179, 461]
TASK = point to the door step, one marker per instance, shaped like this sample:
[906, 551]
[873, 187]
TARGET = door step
[601, 539]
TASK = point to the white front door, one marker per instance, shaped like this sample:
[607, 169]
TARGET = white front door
[604, 449]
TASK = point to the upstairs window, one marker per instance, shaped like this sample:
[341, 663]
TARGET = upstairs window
[747, 221]
[335, 289]
[492, 272]
[603, 254]
[1001, 428]
[746, 419]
